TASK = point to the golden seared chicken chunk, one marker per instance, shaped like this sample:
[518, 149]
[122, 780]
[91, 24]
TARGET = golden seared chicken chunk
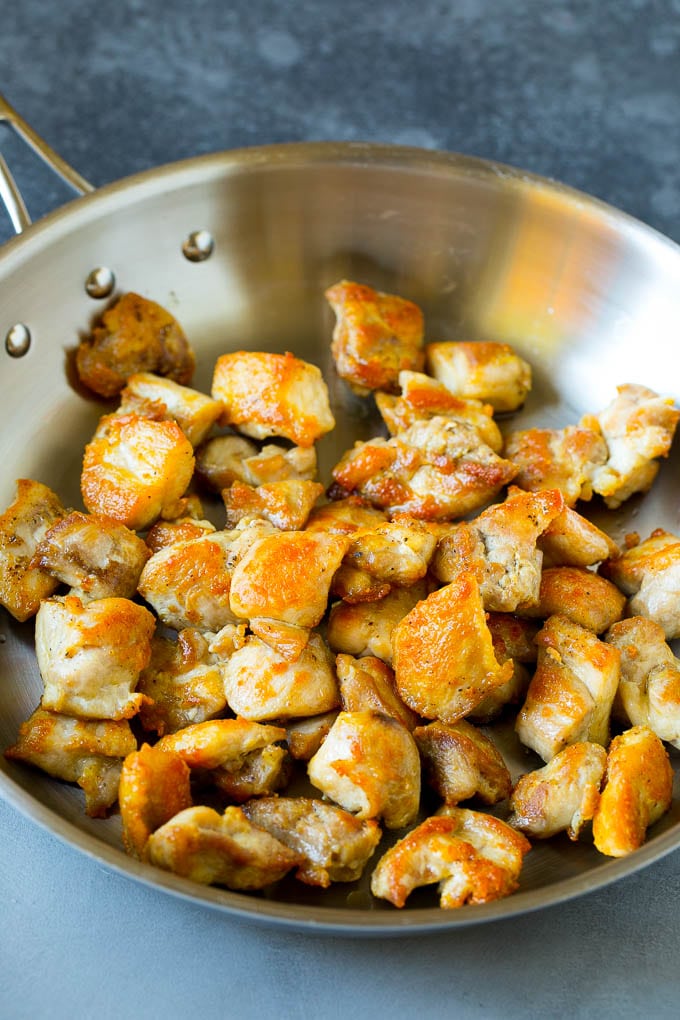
[223, 460]
[564, 459]
[444, 660]
[637, 792]
[23, 583]
[369, 765]
[561, 796]
[154, 786]
[204, 846]
[135, 469]
[286, 505]
[396, 552]
[571, 694]
[481, 370]
[367, 628]
[260, 774]
[88, 752]
[352, 516]
[649, 689]
[368, 683]
[423, 397]
[134, 335]
[333, 844]
[462, 762]
[436, 469]
[261, 684]
[90, 656]
[305, 736]
[500, 546]
[181, 529]
[376, 335]
[513, 640]
[638, 427]
[474, 857]
[571, 540]
[650, 574]
[182, 684]
[154, 397]
[581, 596]
[95, 555]
[266, 395]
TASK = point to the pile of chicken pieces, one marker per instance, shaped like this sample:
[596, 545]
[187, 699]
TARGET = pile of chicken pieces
[192, 675]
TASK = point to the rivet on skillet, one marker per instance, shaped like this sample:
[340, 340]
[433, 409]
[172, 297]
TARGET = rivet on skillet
[198, 246]
[100, 282]
[18, 340]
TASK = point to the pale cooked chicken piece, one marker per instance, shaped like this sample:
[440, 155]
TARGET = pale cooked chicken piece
[649, 689]
[436, 469]
[182, 684]
[95, 555]
[134, 335]
[376, 336]
[260, 684]
[369, 765]
[335, 846]
[90, 656]
[397, 552]
[286, 504]
[481, 370]
[423, 397]
[638, 427]
[23, 584]
[88, 752]
[513, 640]
[563, 795]
[564, 459]
[135, 469]
[581, 596]
[571, 694]
[368, 683]
[351, 516]
[204, 846]
[650, 573]
[154, 397]
[181, 529]
[638, 791]
[154, 786]
[444, 660]
[222, 460]
[571, 540]
[474, 857]
[462, 762]
[266, 395]
[366, 628]
[305, 736]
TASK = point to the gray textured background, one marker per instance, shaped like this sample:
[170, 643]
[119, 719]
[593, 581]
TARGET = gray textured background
[584, 92]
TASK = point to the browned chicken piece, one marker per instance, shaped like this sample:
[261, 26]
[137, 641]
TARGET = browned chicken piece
[649, 689]
[367, 628]
[563, 795]
[134, 335]
[352, 516]
[305, 736]
[376, 336]
[369, 765]
[154, 786]
[260, 773]
[474, 857]
[571, 694]
[435, 470]
[638, 427]
[90, 656]
[182, 684]
[462, 762]
[481, 370]
[181, 529]
[638, 791]
[581, 596]
[23, 584]
[135, 469]
[95, 555]
[443, 653]
[423, 397]
[368, 683]
[571, 540]
[88, 752]
[650, 573]
[513, 640]
[204, 846]
[334, 845]
[286, 505]
[223, 460]
[265, 395]
[260, 684]
[151, 396]
[220, 742]
[396, 552]
[356, 586]
[564, 459]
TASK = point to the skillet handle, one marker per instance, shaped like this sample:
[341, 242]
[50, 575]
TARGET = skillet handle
[9, 192]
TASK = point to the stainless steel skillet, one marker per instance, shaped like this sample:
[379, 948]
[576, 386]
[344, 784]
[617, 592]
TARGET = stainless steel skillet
[588, 295]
